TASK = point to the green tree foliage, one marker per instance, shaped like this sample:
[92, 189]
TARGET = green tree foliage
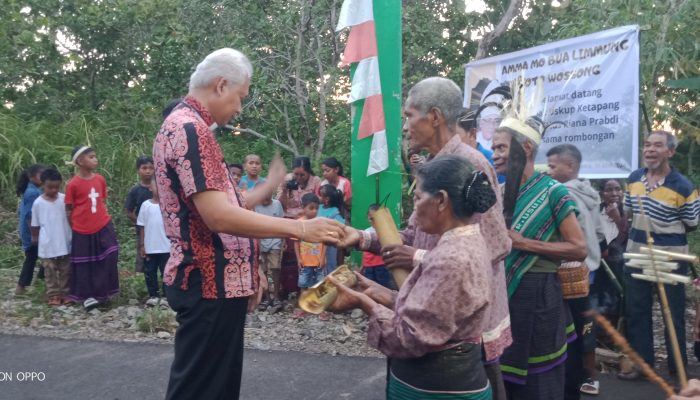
[77, 69]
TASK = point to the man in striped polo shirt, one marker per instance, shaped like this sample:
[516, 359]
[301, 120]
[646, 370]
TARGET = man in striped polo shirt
[671, 203]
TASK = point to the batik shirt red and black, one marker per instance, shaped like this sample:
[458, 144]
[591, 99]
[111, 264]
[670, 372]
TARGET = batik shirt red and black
[189, 160]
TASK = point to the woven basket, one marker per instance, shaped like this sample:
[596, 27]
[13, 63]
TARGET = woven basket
[573, 277]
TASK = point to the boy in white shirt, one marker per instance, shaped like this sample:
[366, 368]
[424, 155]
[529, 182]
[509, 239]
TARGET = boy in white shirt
[51, 230]
[154, 245]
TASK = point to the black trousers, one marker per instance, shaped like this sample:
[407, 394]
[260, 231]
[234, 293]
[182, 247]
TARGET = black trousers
[585, 342]
[208, 345]
[27, 273]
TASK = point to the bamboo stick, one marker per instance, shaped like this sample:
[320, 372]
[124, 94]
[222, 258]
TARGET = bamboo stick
[672, 255]
[670, 328]
[621, 342]
[383, 223]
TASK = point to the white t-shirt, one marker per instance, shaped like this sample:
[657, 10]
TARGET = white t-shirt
[274, 209]
[154, 239]
[54, 231]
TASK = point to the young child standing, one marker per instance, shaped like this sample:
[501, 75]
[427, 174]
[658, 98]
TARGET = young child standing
[332, 206]
[253, 166]
[51, 231]
[373, 266]
[94, 252]
[154, 245]
[137, 195]
[311, 257]
[271, 249]
[28, 189]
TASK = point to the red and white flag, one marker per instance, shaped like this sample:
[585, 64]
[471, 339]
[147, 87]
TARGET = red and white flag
[361, 49]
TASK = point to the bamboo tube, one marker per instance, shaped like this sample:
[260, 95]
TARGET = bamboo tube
[667, 275]
[620, 341]
[651, 278]
[661, 266]
[645, 256]
[673, 256]
[383, 223]
[670, 328]
[322, 295]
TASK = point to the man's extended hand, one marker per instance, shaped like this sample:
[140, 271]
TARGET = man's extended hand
[277, 170]
[351, 239]
[322, 230]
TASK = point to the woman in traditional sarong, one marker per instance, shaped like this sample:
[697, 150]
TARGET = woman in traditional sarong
[432, 340]
[544, 231]
[94, 254]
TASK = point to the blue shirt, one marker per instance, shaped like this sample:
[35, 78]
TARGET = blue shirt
[25, 214]
[249, 184]
[489, 156]
[331, 213]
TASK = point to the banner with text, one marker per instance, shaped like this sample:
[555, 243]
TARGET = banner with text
[592, 89]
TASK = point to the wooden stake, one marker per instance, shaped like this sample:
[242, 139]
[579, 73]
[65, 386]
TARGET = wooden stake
[620, 341]
[670, 328]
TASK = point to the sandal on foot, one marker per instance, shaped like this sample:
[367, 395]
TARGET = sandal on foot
[591, 387]
[298, 313]
[54, 301]
[90, 303]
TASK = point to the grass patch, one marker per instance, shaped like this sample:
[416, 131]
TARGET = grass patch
[131, 286]
[156, 319]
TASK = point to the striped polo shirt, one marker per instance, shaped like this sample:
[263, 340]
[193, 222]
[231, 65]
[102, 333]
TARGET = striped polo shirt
[672, 205]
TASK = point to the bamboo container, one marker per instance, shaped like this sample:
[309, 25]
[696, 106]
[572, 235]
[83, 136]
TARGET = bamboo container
[322, 295]
[384, 225]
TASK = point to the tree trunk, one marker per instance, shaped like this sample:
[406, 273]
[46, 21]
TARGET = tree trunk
[489, 38]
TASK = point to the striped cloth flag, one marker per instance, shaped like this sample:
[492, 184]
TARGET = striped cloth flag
[361, 51]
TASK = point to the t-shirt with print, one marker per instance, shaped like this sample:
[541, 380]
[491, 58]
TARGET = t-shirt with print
[151, 219]
[274, 209]
[87, 196]
[310, 254]
[188, 160]
[54, 231]
[136, 196]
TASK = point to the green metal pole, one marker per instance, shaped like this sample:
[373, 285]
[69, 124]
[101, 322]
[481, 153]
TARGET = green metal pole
[387, 17]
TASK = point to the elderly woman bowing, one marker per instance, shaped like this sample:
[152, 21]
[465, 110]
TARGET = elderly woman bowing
[432, 340]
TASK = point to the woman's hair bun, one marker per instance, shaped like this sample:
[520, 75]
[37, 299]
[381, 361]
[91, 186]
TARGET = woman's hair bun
[478, 194]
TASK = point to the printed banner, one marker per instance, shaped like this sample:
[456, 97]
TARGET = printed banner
[592, 90]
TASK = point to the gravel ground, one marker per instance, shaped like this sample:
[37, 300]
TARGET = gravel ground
[343, 334]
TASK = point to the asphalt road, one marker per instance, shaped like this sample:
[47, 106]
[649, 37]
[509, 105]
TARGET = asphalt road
[81, 369]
